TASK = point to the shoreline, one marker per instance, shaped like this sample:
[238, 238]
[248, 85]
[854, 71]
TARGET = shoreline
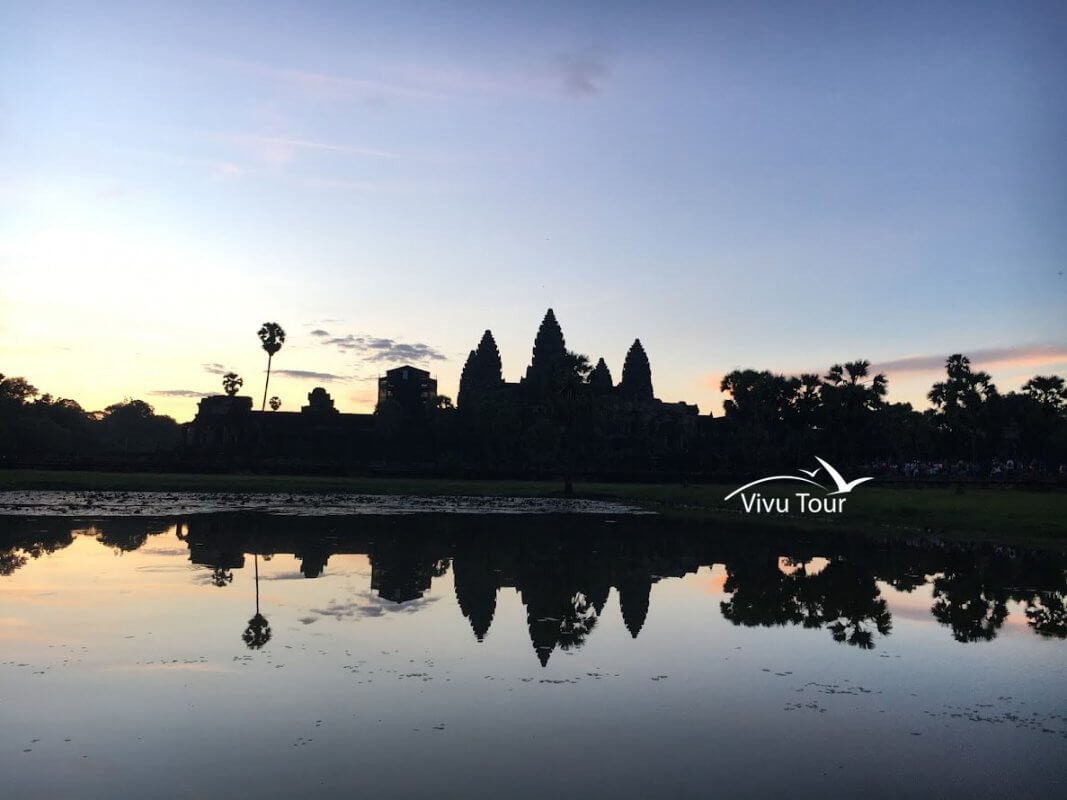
[1007, 515]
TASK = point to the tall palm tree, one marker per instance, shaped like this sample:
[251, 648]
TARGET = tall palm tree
[272, 337]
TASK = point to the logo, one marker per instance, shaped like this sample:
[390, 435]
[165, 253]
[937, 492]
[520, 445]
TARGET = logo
[831, 501]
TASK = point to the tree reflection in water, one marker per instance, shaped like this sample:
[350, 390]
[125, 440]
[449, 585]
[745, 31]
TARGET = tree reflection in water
[843, 597]
[258, 633]
[565, 569]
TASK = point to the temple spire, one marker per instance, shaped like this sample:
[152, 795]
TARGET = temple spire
[636, 381]
[482, 373]
[600, 378]
[490, 370]
[467, 380]
[548, 348]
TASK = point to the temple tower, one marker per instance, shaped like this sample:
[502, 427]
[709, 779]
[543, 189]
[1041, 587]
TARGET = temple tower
[636, 381]
[548, 348]
[600, 379]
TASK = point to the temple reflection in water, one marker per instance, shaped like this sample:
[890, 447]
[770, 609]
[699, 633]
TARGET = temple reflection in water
[564, 569]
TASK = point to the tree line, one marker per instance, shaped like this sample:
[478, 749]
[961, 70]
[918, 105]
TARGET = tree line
[844, 415]
[566, 419]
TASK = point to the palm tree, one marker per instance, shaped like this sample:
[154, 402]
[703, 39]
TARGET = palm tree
[231, 383]
[275, 403]
[963, 400]
[1048, 390]
[272, 337]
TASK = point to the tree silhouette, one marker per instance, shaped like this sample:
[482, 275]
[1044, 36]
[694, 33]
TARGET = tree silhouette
[275, 403]
[850, 397]
[963, 400]
[1046, 613]
[232, 383]
[1048, 390]
[272, 338]
[971, 599]
[568, 399]
[258, 632]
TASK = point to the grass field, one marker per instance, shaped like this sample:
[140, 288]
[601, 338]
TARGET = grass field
[1010, 515]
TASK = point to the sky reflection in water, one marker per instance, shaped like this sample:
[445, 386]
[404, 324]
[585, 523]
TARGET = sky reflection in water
[478, 656]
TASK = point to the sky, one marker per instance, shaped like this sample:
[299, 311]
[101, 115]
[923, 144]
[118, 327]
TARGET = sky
[779, 186]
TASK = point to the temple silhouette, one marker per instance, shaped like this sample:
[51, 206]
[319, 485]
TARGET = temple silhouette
[534, 424]
[482, 376]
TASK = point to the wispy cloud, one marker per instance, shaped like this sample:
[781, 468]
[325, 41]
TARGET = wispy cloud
[177, 393]
[372, 348]
[328, 87]
[1002, 358]
[367, 605]
[278, 150]
[320, 332]
[576, 74]
[216, 369]
[305, 374]
[1005, 357]
[341, 183]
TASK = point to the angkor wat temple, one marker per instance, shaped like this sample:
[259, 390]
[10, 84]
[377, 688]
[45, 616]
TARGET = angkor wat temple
[560, 410]
[482, 374]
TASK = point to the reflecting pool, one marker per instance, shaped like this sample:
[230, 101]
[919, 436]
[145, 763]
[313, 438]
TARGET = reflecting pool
[521, 655]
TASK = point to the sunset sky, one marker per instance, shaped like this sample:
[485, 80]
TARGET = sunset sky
[775, 186]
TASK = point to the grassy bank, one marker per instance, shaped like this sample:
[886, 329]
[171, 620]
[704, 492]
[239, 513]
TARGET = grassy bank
[1011, 515]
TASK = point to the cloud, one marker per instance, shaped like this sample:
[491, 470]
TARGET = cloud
[178, 393]
[277, 150]
[340, 183]
[582, 74]
[216, 369]
[322, 86]
[305, 374]
[1005, 357]
[577, 74]
[320, 332]
[369, 605]
[285, 576]
[372, 348]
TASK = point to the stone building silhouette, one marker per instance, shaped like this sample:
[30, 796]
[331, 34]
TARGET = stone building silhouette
[409, 387]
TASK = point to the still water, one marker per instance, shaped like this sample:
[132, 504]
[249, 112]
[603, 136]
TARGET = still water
[532, 655]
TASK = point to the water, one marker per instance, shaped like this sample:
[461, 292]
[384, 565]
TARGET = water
[463, 655]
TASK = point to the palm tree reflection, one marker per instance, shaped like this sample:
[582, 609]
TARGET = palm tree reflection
[258, 632]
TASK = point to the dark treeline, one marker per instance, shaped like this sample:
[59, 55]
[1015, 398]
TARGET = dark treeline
[35, 426]
[970, 427]
[565, 572]
[568, 418]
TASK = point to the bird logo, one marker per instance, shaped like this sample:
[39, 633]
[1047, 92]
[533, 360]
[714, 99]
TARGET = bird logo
[841, 486]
